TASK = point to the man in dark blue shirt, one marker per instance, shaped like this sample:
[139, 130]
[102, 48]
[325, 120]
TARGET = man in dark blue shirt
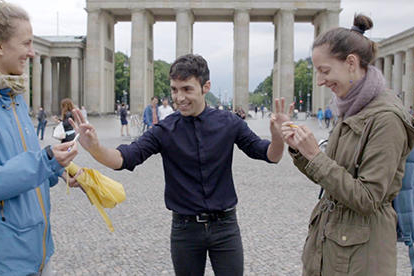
[196, 145]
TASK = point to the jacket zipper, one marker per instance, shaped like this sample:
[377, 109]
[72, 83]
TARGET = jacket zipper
[38, 192]
[3, 218]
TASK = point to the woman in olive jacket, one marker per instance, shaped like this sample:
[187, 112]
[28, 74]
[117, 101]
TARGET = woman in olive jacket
[352, 229]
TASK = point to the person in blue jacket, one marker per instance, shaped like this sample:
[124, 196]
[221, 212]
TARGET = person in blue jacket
[26, 171]
[151, 113]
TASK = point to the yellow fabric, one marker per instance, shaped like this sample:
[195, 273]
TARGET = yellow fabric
[102, 191]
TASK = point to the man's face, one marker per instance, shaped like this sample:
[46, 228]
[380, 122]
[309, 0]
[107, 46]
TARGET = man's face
[188, 95]
[165, 102]
[15, 51]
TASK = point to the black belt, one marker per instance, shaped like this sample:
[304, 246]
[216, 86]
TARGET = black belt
[205, 217]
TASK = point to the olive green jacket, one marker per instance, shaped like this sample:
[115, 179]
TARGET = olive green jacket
[352, 229]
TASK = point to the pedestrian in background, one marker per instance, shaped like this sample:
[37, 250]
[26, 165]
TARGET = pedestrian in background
[165, 109]
[319, 115]
[27, 172]
[123, 114]
[151, 114]
[328, 116]
[352, 229]
[41, 122]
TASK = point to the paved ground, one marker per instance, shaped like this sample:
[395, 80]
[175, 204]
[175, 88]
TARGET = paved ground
[275, 202]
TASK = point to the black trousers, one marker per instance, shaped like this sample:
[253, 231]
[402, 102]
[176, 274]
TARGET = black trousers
[191, 241]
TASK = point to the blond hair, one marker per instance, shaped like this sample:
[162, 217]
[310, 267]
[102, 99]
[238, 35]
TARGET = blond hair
[9, 13]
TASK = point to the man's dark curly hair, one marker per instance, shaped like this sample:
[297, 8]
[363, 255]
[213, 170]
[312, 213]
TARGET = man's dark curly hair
[188, 66]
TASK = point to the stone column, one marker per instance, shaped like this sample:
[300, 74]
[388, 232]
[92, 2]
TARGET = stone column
[141, 81]
[47, 85]
[63, 80]
[283, 67]
[379, 64]
[37, 83]
[397, 73]
[324, 21]
[241, 59]
[409, 76]
[94, 62]
[184, 32]
[55, 87]
[388, 70]
[26, 95]
[74, 80]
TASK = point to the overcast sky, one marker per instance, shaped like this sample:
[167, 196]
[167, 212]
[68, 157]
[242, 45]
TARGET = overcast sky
[215, 40]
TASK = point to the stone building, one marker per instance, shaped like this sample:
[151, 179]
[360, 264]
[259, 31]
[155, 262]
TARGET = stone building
[396, 60]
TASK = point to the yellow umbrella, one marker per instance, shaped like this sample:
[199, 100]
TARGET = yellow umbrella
[102, 191]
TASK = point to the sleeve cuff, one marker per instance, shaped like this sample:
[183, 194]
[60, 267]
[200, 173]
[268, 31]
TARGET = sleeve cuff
[313, 168]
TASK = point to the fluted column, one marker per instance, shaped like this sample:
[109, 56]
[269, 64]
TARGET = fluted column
[409, 76]
[74, 80]
[37, 83]
[47, 85]
[241, 59]
[55, 87]
[26, 95]
[324, 21]
[283, 68]
[388, 70]
[184, 34]
[397, 73]
[142, 80]
[94, 62]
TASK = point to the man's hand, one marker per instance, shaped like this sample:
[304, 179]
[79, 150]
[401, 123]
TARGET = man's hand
[279, 117]
[62, 153]
[88, 137]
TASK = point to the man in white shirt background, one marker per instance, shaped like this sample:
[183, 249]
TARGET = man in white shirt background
[165, 109]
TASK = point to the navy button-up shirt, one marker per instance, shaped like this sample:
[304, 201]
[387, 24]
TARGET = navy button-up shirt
[197, 154]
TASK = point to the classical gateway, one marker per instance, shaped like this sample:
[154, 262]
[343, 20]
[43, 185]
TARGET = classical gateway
[83, 68]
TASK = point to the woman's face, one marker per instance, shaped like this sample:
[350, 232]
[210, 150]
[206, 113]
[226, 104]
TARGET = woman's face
[15, 51]
[332, 72]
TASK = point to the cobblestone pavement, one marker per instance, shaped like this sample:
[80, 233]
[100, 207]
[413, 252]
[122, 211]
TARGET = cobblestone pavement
[275, 202]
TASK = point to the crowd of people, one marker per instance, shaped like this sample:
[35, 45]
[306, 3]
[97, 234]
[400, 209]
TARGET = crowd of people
[352, 229]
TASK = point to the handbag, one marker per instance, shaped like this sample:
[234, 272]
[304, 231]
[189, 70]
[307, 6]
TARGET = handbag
[59, 132]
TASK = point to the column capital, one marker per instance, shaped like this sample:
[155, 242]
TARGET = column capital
[242, 11]
[137, 10]
[93, 10]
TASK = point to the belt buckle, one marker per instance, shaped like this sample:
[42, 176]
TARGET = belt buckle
[202, 218]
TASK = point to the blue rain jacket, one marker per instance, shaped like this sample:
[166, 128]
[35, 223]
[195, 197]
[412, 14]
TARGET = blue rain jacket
[26, 174]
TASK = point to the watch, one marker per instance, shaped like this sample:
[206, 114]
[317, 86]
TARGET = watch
[49, 152]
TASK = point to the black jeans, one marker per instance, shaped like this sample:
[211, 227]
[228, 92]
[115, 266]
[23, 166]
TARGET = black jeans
[190, 242]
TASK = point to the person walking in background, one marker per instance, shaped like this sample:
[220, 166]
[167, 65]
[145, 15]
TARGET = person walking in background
[352, 229]
[66, 107]
[328, 116]
[165, 109]
[151, 113]
[41, 122]
[199, 188]
[123, 113]
[319, 115]
[411, 111]
[27, 172]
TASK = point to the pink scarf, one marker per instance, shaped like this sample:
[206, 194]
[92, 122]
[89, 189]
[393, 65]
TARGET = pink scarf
[362, 93]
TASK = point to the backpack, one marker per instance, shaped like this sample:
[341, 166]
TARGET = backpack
[404, 206]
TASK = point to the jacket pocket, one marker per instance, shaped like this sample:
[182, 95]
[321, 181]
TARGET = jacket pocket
[344, 247]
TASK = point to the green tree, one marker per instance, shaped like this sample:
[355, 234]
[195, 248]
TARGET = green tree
[303, 82]
[122, 76]
[161, 79]
[263, 92]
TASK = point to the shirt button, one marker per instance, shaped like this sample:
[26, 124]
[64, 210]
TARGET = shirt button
[344, 238]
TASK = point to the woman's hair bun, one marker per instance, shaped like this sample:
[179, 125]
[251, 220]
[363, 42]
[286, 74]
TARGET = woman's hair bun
[363, 22]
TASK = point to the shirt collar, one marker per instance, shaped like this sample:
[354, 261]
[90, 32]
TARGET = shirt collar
[200, 116]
